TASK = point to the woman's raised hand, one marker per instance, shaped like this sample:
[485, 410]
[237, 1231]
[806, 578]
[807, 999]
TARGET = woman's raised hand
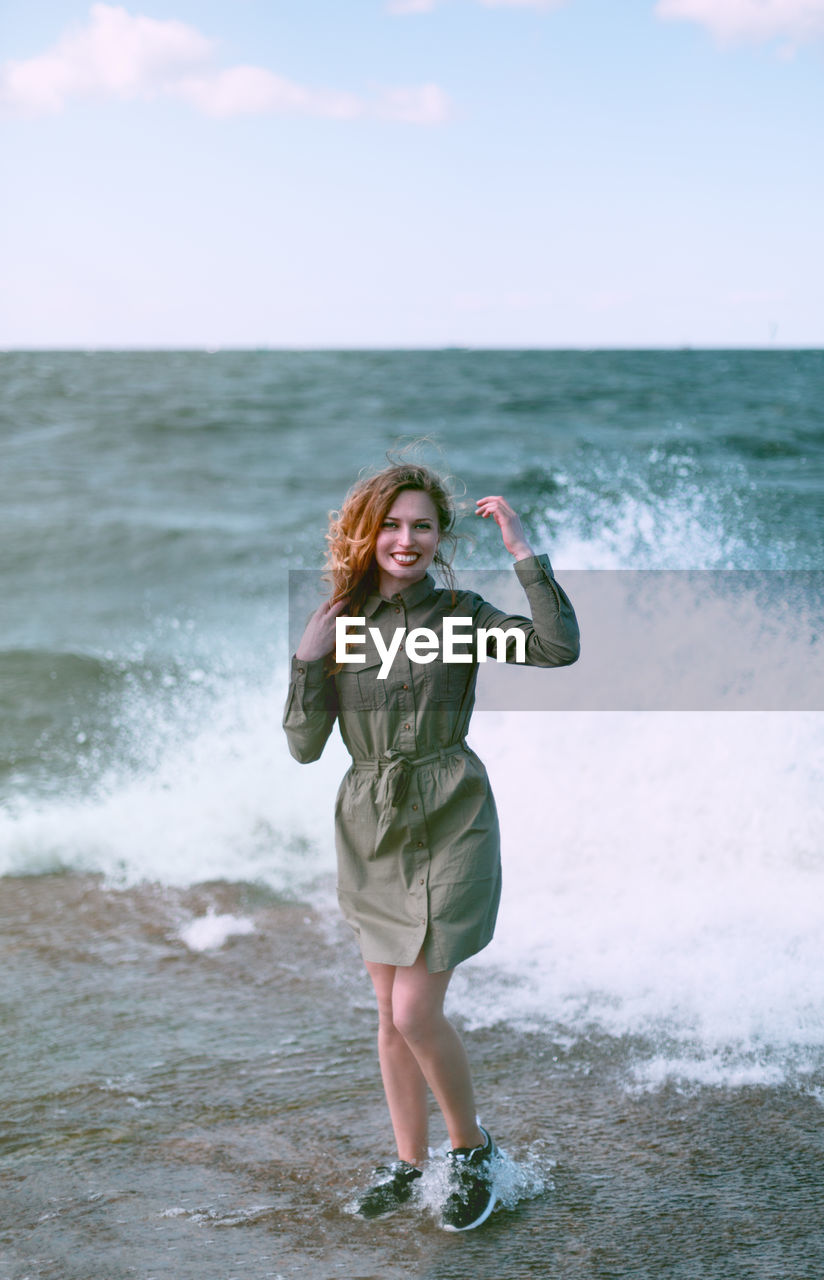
[319, 637]
[509, 523]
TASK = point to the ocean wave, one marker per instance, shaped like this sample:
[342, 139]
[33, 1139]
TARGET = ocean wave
[662, 882]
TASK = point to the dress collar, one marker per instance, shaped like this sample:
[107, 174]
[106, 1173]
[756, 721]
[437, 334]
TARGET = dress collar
[410, 596]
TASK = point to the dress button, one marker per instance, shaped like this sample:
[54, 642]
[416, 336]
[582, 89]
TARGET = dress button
[301, 670]
[406, 686]
[397, 610]
[420, 844]
[406, 726]
[422, 882]
[414, 806]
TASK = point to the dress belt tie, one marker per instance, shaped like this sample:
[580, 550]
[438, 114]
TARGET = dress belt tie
[395, 770]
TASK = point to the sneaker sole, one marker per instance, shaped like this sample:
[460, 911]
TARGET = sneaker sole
[470, 1226]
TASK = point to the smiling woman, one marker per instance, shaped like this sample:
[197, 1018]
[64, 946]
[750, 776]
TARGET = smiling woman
[419, 871]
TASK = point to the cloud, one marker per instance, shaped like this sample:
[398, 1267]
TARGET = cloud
[425, 104]
[760, 20]
[255, 91]
[522, 4]
[426, 6]
[119, 56]
[411, 6]
[114, 56]
[751, 297]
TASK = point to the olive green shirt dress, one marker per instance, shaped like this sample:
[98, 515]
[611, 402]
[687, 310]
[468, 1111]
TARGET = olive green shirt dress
[416, 829]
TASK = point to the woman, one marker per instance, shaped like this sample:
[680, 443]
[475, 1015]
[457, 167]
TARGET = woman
[417, 839]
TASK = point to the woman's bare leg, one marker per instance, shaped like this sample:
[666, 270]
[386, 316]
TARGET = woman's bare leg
[417, 1046]
[403, 1081]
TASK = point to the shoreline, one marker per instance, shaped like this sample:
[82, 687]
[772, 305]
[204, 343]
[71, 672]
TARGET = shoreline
[156, 1097]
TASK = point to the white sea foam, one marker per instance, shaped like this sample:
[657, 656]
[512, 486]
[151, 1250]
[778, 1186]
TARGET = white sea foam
[659, 515]
[229, 804]
[514, 1180]
[210, 932]
[663, 877]
[663, 872]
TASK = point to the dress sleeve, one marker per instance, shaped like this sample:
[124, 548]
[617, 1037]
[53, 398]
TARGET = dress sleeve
[552, 638]
[311, 709]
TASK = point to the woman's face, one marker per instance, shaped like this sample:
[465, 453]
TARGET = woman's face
[407, 541]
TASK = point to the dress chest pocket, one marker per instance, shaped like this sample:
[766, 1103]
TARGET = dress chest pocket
[359, 688]
[447, 681]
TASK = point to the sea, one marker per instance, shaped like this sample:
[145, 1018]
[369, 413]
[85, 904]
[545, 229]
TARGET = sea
[189, 1085]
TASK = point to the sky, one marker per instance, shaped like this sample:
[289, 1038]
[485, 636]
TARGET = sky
[412, 173]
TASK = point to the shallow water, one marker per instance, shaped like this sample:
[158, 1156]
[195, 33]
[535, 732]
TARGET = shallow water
[215, 1110]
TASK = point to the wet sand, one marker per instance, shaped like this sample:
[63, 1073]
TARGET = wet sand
[174, 1114]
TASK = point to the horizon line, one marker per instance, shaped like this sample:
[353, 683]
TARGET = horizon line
[104, 348]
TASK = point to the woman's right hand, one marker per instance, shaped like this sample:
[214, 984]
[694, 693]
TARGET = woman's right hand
[319, 637]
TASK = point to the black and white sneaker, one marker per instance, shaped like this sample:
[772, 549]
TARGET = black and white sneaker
[472, 1197]
[392, 1186]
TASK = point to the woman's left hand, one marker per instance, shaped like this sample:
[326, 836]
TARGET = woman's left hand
[509, 523]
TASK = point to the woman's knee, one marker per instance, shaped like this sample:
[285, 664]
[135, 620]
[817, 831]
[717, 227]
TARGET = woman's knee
[414, 1016]
[400, 1015]
[417, 1001]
